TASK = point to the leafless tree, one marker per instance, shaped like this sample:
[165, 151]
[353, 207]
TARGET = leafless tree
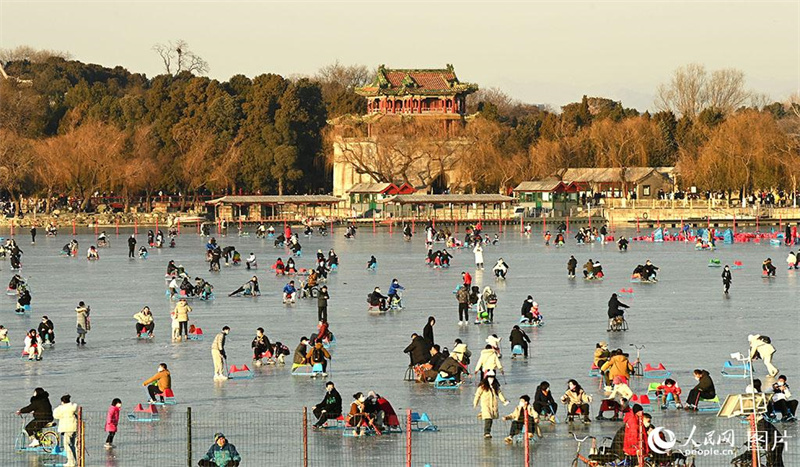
[25, 52]
[347, 76]
[692, 89]
[178, 57]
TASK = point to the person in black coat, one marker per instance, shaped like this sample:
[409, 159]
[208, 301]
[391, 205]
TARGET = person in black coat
[47, 330]
[727, 278]
[572, 264]
[615, 307]
[704, 389]
[42, 414]
[543, 402]
[331, 406]
[131, 246]
[520, 338]
[418, 350]
[427, 332]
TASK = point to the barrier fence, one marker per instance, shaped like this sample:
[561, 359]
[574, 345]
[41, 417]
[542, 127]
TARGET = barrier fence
[182, 436]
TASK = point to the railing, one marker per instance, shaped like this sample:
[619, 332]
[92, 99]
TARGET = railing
[182, 436]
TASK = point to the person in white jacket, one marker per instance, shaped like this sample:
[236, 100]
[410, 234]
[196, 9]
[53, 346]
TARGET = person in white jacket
[478, 250]
[762, 346]
[488, 361]
[66, 414]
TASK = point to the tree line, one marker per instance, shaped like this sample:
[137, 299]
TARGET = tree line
[71, 128]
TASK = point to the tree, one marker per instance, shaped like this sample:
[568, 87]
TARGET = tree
[16, 165]
[178, 57]
[691, 90]
[30, 54]
[337, 83]
[748, 150]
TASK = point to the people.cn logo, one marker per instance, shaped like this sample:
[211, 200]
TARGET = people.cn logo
[661, 444]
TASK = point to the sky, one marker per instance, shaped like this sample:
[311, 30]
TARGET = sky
[539, 52]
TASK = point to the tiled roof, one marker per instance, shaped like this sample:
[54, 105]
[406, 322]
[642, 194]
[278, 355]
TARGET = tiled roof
[400, 81]
[608, 175]
[371, 188]
[275, 199]
[546, 186]
[491, 198]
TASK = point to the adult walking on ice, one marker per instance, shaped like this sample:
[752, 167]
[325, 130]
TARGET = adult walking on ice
[478, 250]
[727, 278]
[67, 427]
[761, 346]
[487, 395]
[181, 312]
[84, 325]
[131, 246]
[218, 354]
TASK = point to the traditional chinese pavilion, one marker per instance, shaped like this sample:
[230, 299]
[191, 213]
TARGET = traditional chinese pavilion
[417, 92]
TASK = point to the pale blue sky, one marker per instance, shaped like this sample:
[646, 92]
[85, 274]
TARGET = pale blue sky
[539, 52]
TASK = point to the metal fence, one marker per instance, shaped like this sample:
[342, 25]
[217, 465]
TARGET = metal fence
[182, 436]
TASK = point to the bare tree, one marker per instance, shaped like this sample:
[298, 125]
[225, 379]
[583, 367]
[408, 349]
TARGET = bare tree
[346, 76]
[725, 90]
[178, 57]
[691, 90]
[25, 52]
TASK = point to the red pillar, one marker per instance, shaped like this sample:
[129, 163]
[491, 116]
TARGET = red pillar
[544, 222]
[156, 224]
[408, 438]
[73, 227]
[373, 222]
[709, 223]
[734, 223]
[178, 224]
[637, 223]
[136, 226]
[116, 222]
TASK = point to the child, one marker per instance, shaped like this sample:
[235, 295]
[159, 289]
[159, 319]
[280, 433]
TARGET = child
[142, 252]
[547, 237]
[372, 263]
[176, 327]
[112, 420]
[517, 418]
[669, 387]
[4, 336]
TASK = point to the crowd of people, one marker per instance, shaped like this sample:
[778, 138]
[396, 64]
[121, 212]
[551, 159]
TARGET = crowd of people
[429, 361]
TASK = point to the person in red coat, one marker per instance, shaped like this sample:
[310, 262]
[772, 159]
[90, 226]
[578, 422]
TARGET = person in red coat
[635, 441]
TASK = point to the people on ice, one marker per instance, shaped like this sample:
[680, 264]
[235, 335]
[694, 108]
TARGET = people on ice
[289, 293]
[500, 269]
[158, 383]
[251, 263]
[144, 322]
[330, 408]
[377, 299]
[727, 279]
[576, 398]
[767, 268]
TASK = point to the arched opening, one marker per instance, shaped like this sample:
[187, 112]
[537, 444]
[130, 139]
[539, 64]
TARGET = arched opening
[439, 184]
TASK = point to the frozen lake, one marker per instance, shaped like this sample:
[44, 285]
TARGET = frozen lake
[685, 322]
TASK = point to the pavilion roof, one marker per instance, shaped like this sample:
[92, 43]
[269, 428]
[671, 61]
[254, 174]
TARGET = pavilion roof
[412, 81]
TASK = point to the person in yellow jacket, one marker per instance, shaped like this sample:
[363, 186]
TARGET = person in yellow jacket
[160, 382]
[487, 395]
[617, 365]
[181, 311]
[517, 417]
